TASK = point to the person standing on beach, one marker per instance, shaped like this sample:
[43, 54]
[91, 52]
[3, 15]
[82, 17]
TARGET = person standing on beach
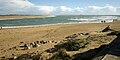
[1, 28]
[104, 21]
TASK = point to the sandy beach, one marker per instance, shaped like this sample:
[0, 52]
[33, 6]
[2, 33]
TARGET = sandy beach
[10, 37]
[4, 17]
[59, 30]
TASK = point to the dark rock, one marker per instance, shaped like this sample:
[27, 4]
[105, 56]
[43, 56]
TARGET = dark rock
[86, 33]
[56, 42]
[24, 57]
[51, 50]
[3, 57]
[117, 33]
[68, 37]
[107, 29]
[37, 42]
[52, 41]
[21, 42]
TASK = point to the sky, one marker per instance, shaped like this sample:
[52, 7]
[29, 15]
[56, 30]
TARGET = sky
[60, 7]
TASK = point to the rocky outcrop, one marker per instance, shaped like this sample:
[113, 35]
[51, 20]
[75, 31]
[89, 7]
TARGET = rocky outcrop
[25, 46]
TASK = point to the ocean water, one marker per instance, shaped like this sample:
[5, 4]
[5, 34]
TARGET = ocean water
[62, 19]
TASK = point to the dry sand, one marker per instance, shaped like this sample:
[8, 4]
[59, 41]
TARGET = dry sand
[12, 37]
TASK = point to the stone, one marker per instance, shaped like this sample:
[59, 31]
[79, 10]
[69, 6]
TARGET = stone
[24, 57]
[106, 29]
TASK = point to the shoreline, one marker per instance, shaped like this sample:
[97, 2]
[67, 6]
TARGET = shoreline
[29, 26]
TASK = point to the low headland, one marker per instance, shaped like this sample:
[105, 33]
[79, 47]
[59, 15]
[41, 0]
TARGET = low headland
[6, 17]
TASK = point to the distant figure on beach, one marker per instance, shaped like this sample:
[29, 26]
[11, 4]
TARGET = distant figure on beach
[114, 20]
[1, 28]
[103, 21]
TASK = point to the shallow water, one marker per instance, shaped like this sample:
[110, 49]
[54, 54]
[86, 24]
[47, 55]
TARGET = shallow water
[63, 19]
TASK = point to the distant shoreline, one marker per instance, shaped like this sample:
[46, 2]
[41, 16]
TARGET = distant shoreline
[8, 17]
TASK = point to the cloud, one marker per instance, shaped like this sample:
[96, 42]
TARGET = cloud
[69, 10]
[118, 10]
[26, 7]
[15, 5]
[65, 9]
[45, 9]
[23, 7]
[107, 9]
[110, 8]
[93, 8]
[78, 9]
